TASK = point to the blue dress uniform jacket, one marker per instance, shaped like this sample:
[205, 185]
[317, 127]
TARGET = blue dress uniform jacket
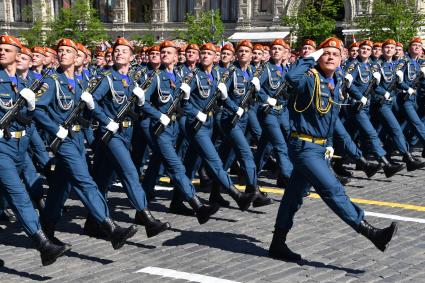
[53, 108]
[310, 167]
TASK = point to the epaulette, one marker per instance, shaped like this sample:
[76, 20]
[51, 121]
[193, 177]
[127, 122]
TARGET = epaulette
[54, 76]
[311, 72]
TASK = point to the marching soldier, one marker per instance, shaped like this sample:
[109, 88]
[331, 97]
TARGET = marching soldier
[316, 92]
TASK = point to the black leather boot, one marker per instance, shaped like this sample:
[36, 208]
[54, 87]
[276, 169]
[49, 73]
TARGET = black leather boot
[49, 252]
[390, 169]
[7, 216]
[369, 168]
[412, 164]
[216, 197]
[152, 226]
[260, 198]
[92, 229]
[116, 234]
[379, 237]
[205, 182]
[242, 199]
[423, 152]
[49, 231]
[203, 212]
[340, 170]
[281, 181]
[343, 180]
[278, 248]
[177, 206]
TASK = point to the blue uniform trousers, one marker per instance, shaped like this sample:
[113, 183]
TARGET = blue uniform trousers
[254, 129]
[273, 125]
[164, 150]
[117, 159]
[311, 169]
[343, 143]
[38, 149]
[408, 112]
[12, 156]
[71, 171]
[201, 145]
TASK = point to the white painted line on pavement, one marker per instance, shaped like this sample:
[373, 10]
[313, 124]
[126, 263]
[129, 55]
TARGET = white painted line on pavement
[395, 217]
[171, 273]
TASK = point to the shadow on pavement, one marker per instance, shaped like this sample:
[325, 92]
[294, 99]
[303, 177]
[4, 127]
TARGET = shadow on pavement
[329, 266]
[35, 277]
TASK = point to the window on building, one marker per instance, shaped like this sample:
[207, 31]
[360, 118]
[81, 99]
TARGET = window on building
[22, 10]
[265, 5]
[140, 11]
[177, 9]
[227, 8]
[60, 4]
[105, 10]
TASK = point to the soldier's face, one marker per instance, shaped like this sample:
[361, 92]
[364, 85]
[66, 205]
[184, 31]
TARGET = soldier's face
[226, 56]
[330, 60]
[79, 60]
[122, 55]
[38, 59]
[100, 61]
[399, 51]
[377, 52]
[415, 49]
[49, 58]
[182, 57]
[244, 54]
[66, 55]
[8, 54]
[354, 52]
[389, 50]
[139, 59]
[154, 57]
[168, 55]
[307, 50]
[365, 52]
[278, 52]
[192, 55]
[23, 62]
[207, 57]
[266, 55]
[257, 56]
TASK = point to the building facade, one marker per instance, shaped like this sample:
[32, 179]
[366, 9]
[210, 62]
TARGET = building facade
[163, 17]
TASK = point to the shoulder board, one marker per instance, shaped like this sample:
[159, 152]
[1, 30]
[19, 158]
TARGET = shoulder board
[54, 76]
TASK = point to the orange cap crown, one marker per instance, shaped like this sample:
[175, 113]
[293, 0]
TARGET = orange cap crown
[67, 42]
[11, 40]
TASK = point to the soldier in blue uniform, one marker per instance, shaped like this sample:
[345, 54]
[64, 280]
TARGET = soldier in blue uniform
[112, 94]
[53, 107]
[384, 100]
[364, 74]
[316, 92]
[275, 123]
[203, 89]
[14, 141]
[164, 89]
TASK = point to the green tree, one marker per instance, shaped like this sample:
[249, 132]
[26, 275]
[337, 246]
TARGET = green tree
[145, 39]
[315, 19]
[208, 27]
[80, 22]
[394, 19]
[33, 36]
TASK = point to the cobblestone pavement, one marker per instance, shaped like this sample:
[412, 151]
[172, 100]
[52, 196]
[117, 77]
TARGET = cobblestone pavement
[233, 245]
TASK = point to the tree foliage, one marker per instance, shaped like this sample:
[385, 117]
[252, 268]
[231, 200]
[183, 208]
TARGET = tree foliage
[394, 19]
[79, 22]
[316, 19]
[33, 36]
[208, 27]
[146, 39]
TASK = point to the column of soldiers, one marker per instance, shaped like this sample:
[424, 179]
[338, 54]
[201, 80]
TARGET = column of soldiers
[183, 111]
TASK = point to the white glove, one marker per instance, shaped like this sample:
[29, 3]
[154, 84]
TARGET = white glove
[387, 96]
[423, 71]
[186, 89]
[400, 76]
[316, 54]
[349, 79]
[411, 91]
[363, 100]
[88, 99]
[377, 76]
[201, 116]
[164, 119]
[271, 101]
[256, 82]
[113, 126]
[140, 93]
[329, 153]
[223, 89]
[62, 133]
[239, 112]
[29, 96]
[1, 134]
